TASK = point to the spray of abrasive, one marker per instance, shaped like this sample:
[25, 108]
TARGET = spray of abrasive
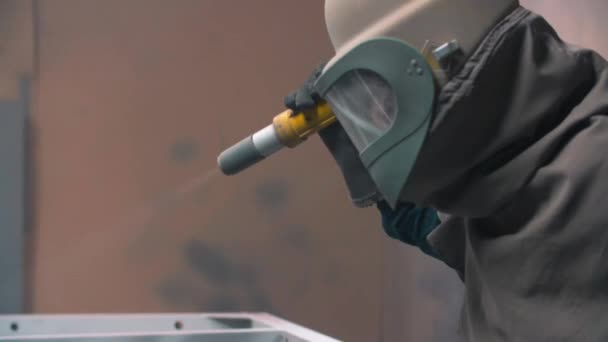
[170, 199]
[138, 220]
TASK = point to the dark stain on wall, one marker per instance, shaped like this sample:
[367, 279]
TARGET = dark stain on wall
[262, 303]
[184, 151]
[178, 290]
[209, 262]
[144, 245]
[246, 275]
[272, 194]
[332, 275]
[235, 287]
[222, 303]
[297, 237]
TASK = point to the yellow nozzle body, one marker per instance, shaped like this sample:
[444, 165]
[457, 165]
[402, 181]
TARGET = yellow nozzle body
[292, 129]
[287, 130]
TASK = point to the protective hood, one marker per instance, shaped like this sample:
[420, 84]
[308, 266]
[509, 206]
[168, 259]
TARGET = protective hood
[515, 160]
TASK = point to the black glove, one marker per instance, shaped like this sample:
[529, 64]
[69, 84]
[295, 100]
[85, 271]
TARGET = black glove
[361, 187]
[306, 97]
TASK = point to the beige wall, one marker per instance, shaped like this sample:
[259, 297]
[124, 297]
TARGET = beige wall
[579, 22]
[136, 98]
[16, 45]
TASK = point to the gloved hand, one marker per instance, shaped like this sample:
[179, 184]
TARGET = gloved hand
[410, 224]
[360, 185]
[305, 97]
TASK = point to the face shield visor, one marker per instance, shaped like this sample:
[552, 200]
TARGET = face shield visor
[365, 105]
[382, 93]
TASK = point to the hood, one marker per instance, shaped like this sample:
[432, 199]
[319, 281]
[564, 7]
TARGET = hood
[494, 122]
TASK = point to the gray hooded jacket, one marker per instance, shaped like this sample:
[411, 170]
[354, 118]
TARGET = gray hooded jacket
[517, 161]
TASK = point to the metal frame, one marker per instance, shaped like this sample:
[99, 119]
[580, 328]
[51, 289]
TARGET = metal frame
[245, 327]
[13, 173]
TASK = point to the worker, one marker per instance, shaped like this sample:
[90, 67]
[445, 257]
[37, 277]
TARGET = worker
[481, 137]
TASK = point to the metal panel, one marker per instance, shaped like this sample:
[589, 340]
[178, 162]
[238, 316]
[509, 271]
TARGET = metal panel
[13, 116]
[155, 327]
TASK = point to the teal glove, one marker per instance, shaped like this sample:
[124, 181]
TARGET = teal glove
[410, 224]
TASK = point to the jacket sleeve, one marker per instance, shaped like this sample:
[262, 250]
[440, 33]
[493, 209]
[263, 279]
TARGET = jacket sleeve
[410, 224]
